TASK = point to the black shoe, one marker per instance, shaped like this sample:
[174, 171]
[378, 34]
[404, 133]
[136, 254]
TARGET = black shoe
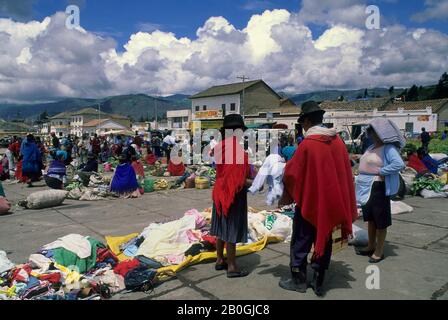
[238, 274]
[364, 253]
[296, 283]
[221, 267]
[372, 260]
[318, 281]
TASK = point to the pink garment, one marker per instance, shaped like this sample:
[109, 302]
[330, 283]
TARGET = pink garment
[175, 259]
[194, 236]
[200, 220]
[372, 161]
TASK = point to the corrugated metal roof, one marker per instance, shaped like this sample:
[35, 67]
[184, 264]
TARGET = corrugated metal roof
[228, 89]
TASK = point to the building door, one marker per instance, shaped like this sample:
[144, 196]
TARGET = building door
[409, 127]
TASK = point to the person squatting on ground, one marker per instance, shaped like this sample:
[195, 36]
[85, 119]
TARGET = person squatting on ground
[319, 180]
[377, 182]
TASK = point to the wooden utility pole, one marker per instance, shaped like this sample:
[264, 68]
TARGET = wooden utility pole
[242, 109]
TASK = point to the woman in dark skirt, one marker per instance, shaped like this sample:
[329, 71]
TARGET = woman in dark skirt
[229, 218]
[379, 180]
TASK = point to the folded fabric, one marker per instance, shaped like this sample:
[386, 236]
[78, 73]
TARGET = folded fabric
[124, 267]
[150, 263]
[67, 258]
[200, 220]
[75, 243]
[40, 262]
[5, 264]
[52, 277]
[105, 255]
[131, 251]
[167, 239]
[198, 248]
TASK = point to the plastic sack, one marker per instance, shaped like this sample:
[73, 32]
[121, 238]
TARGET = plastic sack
[360, 237]
[5, 205]
[148, 185]
[429, 194]
[45, 199]
[398, 207]
[282, 227]
[5, 264]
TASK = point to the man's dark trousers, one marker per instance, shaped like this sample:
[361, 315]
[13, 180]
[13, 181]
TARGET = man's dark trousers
[303, 237]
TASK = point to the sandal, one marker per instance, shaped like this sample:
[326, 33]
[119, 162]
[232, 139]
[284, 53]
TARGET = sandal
[238, 274]
[373, 260]
[364, 253]
[221, 267]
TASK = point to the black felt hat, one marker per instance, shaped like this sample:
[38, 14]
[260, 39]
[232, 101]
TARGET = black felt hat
[308, 108]
[234, 121]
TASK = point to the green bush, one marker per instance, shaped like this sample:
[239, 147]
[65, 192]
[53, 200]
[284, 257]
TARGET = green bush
[436, 145]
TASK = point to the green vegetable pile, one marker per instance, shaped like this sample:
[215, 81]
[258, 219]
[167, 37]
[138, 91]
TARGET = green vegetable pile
[73, 186]
[427, 183]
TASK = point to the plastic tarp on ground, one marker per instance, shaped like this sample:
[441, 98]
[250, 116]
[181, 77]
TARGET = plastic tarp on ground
[115, 242]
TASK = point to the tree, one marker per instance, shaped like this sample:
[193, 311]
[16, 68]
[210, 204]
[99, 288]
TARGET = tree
[341, 98]
[43, 116]
[441, 90]
[412, 94]
[391, 90]
[142, 119]
[366, 94]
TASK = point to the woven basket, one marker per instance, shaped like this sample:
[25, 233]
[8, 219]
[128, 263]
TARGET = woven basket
[202, 183]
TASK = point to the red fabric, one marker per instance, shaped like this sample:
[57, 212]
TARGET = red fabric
[124, 267]
[103, 254]
[53, 277]
[319, 179]
[176, 170]
[151, 159]
[21, 274]
[15, 148]
[415, 163]
[231, 174]
[138, 168]
[18, 173]
[210, 239]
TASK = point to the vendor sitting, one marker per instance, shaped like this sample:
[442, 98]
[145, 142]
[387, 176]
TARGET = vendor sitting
[415, 163]
[176, 167]
[150, 158]
[138, 167]
[429, 162]
[56, 174]
[125, 182]
[88, 169]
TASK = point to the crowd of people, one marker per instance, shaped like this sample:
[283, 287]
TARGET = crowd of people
[314, 172]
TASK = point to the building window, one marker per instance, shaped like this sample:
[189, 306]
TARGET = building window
[204, 108]
[60, 123]
[197, 108]
[232, 107]
[223, 107]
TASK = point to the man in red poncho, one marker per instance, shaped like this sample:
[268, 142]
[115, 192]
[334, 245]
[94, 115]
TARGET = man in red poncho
[319, 180]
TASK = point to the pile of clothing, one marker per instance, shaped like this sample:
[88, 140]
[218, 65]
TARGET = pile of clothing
[98, 189]
[73, 267]
[167, 244]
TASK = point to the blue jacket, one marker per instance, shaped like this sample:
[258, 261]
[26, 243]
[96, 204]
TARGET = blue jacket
[393, 164]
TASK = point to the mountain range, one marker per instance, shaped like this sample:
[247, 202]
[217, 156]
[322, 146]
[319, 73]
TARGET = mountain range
[143, 107]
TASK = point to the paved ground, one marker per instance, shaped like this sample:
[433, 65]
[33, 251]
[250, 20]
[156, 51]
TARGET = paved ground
[415, 268]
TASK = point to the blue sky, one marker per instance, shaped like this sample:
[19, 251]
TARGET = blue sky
[120, 19]
[172, 46]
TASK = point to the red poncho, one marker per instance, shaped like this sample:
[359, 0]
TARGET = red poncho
[230, 177]
[415, 163]
[150, 159]
[320, 181]
[176, 170]
[138, 168]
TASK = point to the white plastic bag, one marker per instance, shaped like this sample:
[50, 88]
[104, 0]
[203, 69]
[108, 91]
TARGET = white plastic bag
[398, 207]
[282, 227]
[360, 237]
[429, 194]
[5, 264]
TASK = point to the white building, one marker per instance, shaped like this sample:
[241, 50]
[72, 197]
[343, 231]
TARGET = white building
[179, 119]
[60, 124]
[248, 98]
[102, 127]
